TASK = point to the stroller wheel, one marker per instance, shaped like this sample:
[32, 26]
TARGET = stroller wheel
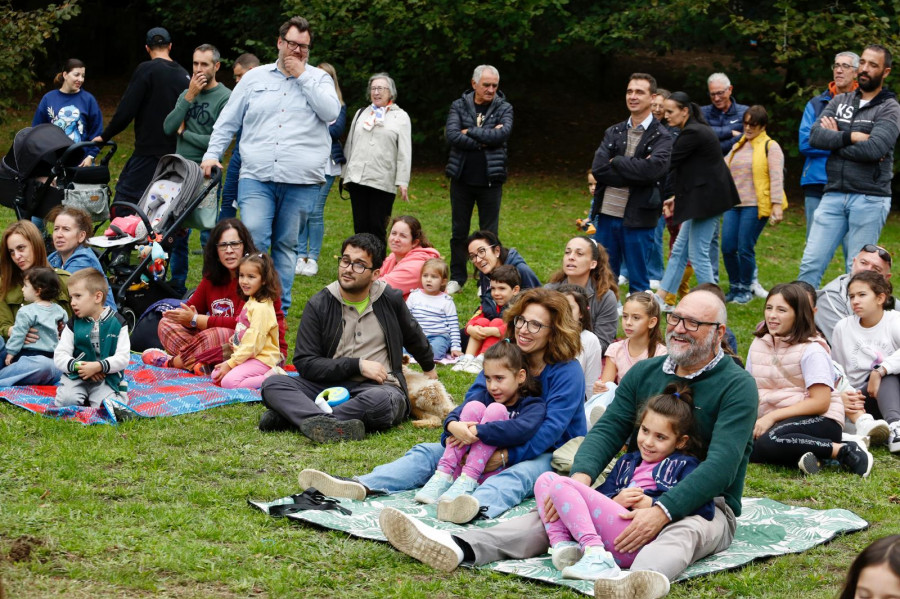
[129, 316]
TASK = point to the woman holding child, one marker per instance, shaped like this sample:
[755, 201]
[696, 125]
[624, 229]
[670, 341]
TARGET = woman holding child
[585, 263]
[410, 249]
[543, 327]
[23, 248]
[194, 335]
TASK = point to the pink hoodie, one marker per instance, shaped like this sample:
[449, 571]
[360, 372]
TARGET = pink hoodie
[406, 274]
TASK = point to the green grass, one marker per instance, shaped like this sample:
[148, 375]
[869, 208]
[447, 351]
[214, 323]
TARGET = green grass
[158, 507]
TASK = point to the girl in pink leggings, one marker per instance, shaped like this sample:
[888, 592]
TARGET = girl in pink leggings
[507, 414]
[585, 522]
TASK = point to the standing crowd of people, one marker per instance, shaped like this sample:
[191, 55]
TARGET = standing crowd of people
[819, 386]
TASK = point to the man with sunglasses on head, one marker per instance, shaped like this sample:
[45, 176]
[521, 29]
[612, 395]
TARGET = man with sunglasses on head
[282, 110]
[351, 335]
[666, 536]
[860, 129]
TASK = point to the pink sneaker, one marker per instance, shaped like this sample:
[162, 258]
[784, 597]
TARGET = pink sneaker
[156, 357]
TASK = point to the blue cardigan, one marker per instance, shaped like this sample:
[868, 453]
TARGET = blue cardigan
[666, 474]
[562, 387]
[525, 417]
[82, 257]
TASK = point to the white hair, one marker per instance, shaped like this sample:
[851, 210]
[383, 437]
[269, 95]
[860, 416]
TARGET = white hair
[390, 82]
[480, 69]
[853, 56]
[719, 78]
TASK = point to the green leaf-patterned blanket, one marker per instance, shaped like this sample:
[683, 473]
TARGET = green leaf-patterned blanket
[765, 528]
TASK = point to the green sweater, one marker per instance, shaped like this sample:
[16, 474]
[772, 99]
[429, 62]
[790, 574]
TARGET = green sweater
[725, 404]
[198, 117]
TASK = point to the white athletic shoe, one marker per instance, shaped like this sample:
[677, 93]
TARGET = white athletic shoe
[638, 584]
[758, 290]
[312, 268]
[420, 541]
[878, 431]
[654, 284]
[894, 440]
[300, 266]
[452, 288]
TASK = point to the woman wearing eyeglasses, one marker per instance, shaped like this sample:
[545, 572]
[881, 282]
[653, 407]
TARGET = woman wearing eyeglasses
[379, 157]
[542, 325]
[757, 167]
[703, 190]
[486, 252]
[193, 334]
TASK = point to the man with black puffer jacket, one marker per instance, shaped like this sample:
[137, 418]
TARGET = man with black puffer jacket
[860, 129]
[351, 335]
[150, 97]
[630, 167]
[478, 127]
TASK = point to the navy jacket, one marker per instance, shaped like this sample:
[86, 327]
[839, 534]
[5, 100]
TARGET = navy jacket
[725, 123]
[336, 129]
[643, 174]
[529, 280]
[525, 418]
[487, 138]
[667, 473]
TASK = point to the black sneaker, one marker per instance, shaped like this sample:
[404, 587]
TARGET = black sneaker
[855, 458]
[328, 429]
[271, 421]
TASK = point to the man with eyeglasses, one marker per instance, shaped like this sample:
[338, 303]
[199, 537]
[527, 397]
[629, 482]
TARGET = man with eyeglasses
[667, 538]
[813, 179]
[630, 166]
[351, 335]
[478, 126]
[282, 110]
[724, 115]
[860, 129]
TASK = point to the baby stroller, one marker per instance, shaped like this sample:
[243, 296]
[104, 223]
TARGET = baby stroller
[150, 227]
[41, 171]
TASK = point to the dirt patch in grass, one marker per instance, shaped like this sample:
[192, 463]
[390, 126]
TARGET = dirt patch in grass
[21, 548]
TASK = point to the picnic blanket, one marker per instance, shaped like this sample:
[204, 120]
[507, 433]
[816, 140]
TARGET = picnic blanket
[152, 393]
[765, 528]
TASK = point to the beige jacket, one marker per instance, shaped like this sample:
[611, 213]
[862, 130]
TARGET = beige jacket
[382, 157]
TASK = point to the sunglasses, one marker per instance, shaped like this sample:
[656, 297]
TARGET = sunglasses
[882, 253]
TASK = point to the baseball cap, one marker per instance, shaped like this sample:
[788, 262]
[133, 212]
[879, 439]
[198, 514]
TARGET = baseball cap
[158, 36]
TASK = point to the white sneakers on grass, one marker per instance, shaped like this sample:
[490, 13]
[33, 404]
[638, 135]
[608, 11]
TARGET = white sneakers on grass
[306, 267]
[878, 431]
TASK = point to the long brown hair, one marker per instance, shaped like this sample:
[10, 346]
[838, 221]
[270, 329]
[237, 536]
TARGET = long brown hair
[513, 358]
[651, 308]
[796, 297]
[883, 551]
[213, 269]
[877, 283]
[564, 341]
[270, 289]
[601, 276]
[10, 274]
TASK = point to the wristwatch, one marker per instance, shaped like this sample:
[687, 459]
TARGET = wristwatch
[194, 321]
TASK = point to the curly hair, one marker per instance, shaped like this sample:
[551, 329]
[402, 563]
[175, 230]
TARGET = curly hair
[564, 342]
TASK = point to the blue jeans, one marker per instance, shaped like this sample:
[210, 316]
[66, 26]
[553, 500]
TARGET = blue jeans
[860, 217]
[314, 230]
[810, 203]
[693, 243]
[440, 345]
[498, 493]
[741, 228]
[274, 212]
[628, 244]
[655, 266]
[27, 370]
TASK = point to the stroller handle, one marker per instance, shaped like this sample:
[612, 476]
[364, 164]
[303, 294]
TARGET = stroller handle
[84, 145]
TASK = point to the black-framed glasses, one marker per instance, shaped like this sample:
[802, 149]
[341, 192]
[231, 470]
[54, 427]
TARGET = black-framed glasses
[874, 249]
[357, 267]
[224, 245]
[534, 326]
[481, 252]
[718, 94]
[842, 67]
[293, 46]
[673, 320]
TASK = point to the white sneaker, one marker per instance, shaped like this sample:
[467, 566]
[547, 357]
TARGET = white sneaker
[565, 554]
[463, 362]
[878, 431]
[622, 281]
[654, 284]
[452, 288]
[300, 267]
[758, 290]
[894, 441]
[638, 584]
[473, 366]
[420, 541]
[312, 268]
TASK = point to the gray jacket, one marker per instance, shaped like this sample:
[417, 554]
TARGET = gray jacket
[832, 305]
[865, 167]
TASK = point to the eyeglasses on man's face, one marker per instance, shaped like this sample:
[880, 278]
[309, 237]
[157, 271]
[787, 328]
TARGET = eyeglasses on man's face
[690, 324]
[534, 326]
[294, 46]
[842, 66]
[357, 267]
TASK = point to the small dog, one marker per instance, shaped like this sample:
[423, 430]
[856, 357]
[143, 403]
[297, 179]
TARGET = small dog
[429, 399]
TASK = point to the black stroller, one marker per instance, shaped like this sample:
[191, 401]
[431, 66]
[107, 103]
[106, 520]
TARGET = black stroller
[174, 193]
[41, 171]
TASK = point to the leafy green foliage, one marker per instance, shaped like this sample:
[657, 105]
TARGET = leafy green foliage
[25, 34]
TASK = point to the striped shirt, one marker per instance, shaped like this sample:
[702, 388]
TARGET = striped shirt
[436, 314]
[615, 198]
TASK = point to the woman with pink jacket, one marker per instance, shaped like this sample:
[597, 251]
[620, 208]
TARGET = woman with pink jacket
[402, 269]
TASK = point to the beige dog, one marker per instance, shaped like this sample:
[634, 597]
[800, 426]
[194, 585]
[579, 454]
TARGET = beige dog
[429, 399]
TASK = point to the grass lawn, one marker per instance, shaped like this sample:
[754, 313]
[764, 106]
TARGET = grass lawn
[158, 507]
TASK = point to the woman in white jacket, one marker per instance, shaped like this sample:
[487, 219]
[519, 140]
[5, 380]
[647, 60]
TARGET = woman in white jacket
[379, 157]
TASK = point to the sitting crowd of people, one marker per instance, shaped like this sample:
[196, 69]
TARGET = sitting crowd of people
[820, 384]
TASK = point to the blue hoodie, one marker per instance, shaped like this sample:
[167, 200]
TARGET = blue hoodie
[525, 417]
[82, 257]
[814, 168]
[529, 280]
